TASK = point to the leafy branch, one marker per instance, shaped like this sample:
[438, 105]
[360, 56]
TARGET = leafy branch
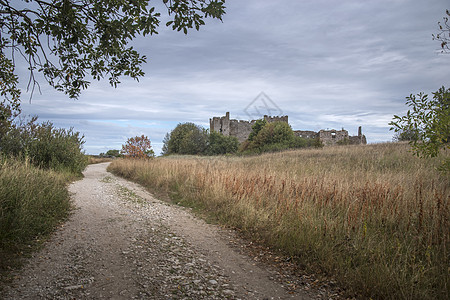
[428, 123]
[444, 33]
[73, 41]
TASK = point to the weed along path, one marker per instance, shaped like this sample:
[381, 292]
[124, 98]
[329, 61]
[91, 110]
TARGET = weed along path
[122, 243]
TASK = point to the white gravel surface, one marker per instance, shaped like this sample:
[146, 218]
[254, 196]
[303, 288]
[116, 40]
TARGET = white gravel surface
[122, 243]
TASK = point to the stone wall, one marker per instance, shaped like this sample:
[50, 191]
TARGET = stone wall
[331, 137]
[271, 119]
[238, 128]
[306, 134]
[357, 140]
[241, 129]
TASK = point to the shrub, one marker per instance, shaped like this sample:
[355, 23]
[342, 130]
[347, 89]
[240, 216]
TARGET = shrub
[186, 138]
[272, 137]
[256, 128]
[274, 133]
[427, 124]
[220, 144]
[45, 145]
[405, 135]
[57, 148]
[7, 115]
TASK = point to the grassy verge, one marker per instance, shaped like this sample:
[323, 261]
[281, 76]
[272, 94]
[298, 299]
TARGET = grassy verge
[374, 217]
[32, 203]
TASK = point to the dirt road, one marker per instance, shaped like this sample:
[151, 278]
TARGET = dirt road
[122, 243]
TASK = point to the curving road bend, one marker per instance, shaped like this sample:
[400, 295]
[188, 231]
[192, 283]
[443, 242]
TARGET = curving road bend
[122, 243]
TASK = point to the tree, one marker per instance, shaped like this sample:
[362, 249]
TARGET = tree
[274, 136]
[221, 144]
[69, 41]
[444, 33]
[138, 147]
[428, 121]
[405, 136]
[6, 118]
[165, 147]
[115, 153]
[186, 138]
[8, 80]
[9, 93]
[275, 132]
[259, 124]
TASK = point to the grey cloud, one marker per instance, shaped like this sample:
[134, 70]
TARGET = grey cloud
[325, 64]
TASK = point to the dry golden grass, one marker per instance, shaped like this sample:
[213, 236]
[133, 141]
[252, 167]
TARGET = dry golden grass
[97, 160]
[375, 217]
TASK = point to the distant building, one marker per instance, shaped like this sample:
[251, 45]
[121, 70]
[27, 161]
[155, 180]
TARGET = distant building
[332, 137]
[238, 128]
[242, 129]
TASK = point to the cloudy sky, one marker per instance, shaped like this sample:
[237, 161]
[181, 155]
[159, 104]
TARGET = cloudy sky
[324, 63]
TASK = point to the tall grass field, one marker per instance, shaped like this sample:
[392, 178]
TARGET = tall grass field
[374, 217]
[33, 202]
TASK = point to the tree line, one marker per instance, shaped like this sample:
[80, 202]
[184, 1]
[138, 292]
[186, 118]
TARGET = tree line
[188, 138]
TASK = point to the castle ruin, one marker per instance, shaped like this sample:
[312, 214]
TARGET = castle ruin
[238, 128]
[242, 129]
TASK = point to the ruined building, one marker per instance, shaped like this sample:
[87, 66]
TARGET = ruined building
[238, 128]
[241, 130]
[332, 137]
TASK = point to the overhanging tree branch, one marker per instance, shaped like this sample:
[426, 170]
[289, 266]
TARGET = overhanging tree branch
[443, 36]
[69, 41]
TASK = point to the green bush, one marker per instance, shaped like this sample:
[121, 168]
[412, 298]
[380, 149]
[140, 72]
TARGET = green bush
[219, 144]
[274, 133]
[186, 138]
[273, 137]
[113, 152]
[426, 125]
[7, 115]
[298, 142]
[57, 148]
[45, 146]
[256, 128]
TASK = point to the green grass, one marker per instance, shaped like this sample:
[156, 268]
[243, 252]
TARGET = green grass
[375, 217]
[32, 204]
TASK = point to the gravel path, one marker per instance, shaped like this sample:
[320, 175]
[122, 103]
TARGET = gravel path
[122, 243]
